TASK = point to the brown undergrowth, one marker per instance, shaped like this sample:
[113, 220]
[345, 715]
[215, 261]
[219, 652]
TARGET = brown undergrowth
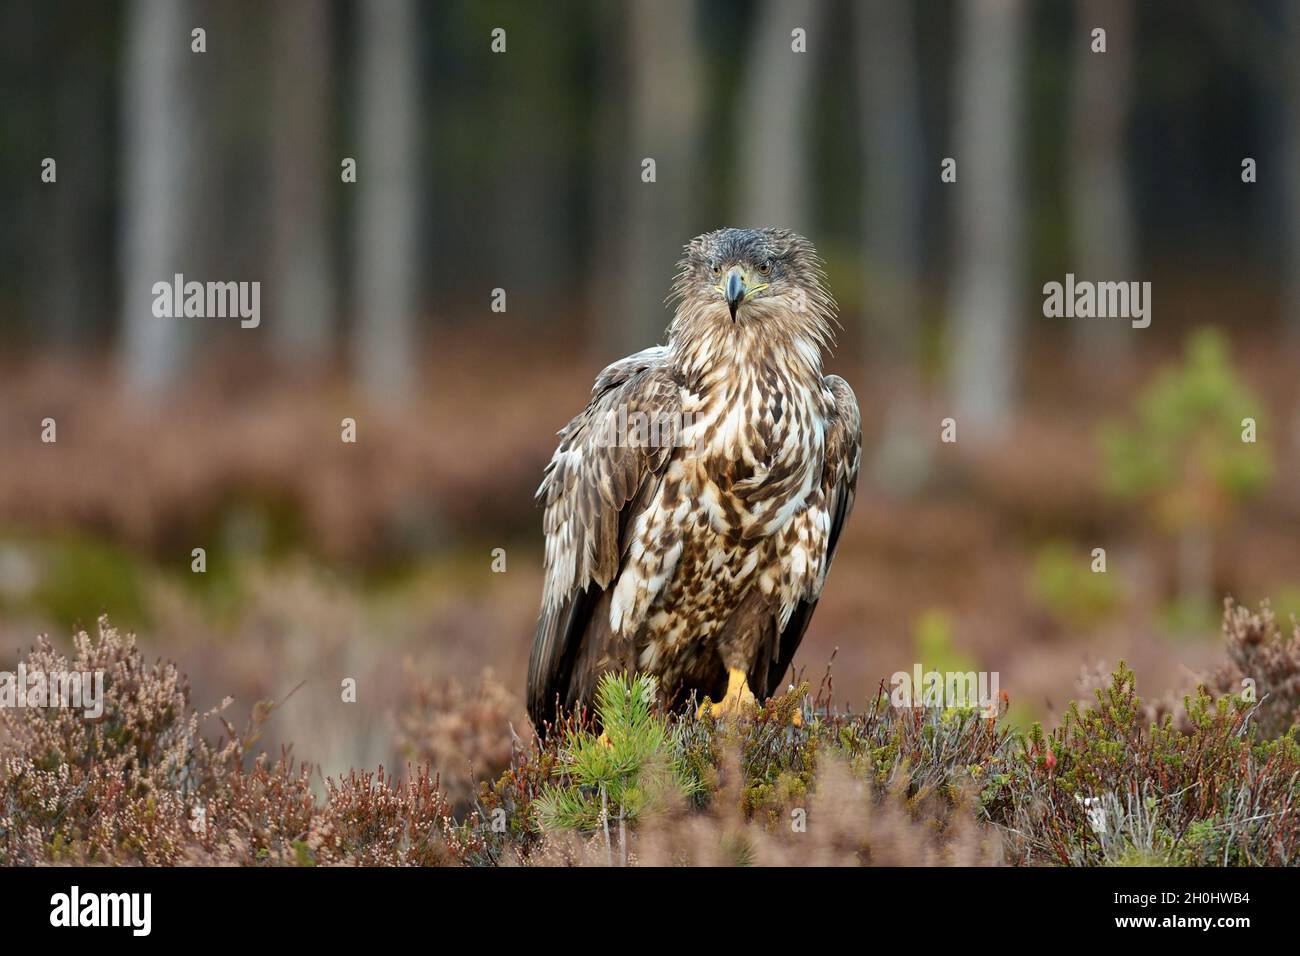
[1210, 780]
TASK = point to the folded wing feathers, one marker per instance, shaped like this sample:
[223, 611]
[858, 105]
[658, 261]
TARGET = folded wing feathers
[591, 479]
[808, 542]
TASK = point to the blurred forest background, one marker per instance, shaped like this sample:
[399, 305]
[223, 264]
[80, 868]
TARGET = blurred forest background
[522, 170]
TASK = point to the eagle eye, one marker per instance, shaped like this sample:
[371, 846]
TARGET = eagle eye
[715, 267]
[765, 268]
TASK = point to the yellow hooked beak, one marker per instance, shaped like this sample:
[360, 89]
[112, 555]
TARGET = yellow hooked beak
[735, 287]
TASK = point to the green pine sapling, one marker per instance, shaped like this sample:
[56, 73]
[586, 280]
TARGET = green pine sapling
[1192, 456]
[623, 774]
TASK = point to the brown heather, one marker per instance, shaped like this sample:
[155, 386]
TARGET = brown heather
[151, 476]
[466, 732]
[154, 782]
[1258, 650]
[142, 784]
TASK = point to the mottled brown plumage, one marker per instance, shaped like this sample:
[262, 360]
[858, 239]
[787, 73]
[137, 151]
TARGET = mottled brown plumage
[694, 506]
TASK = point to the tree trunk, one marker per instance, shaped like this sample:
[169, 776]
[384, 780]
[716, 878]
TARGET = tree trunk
[773, 122]
[302, 286]
[1100, 216]
[1290, 100]
[665, 105]
[891, 216]
[531, 174]
[386, 235]
[159, 133]
[986, 296]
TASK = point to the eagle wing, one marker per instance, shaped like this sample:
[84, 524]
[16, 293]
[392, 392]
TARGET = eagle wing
[805, 573]
[596, 484]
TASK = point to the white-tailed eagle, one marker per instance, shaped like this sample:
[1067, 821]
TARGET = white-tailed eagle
[694, 506]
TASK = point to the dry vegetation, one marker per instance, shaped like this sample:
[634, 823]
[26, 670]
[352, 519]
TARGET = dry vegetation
[1210, 780]
[326, 560]
[154, 476]
[245, 460]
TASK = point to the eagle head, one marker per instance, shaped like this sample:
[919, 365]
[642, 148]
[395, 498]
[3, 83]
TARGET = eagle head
[767, 277]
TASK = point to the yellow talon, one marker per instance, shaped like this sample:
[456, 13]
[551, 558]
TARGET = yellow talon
[738, 697]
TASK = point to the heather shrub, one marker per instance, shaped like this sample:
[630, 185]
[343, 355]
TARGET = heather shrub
[141, 783]
[1268, 657]
[467, 732]
[797, 780]
[123, 783]
[1109, 786]
[372, 820]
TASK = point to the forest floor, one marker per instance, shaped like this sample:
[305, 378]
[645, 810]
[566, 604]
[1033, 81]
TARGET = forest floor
[1210, 780]
[381, 562]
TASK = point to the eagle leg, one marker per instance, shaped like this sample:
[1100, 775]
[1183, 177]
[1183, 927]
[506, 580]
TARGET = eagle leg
[738, 698]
